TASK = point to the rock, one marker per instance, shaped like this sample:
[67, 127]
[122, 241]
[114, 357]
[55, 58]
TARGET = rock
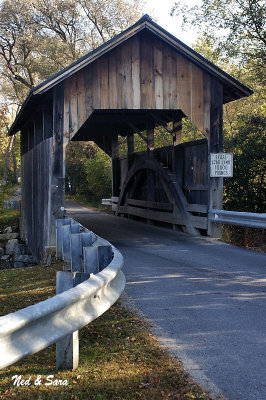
[22, 258]
[5, 257]
[2, 251]
[11, 246]
[8, 236]
[8, 230]
[18, 264]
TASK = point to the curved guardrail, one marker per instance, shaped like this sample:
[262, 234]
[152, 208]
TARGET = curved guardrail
[32, 329]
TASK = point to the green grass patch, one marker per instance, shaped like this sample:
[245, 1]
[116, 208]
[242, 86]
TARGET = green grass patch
[119, 357]
[9, 217]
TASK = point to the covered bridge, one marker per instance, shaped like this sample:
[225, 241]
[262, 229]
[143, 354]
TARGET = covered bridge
[141, 79]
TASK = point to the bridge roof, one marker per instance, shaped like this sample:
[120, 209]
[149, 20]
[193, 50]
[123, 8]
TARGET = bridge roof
[233, 89]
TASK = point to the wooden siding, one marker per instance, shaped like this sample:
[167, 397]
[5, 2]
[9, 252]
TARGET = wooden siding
[142, 73]
[36, 189]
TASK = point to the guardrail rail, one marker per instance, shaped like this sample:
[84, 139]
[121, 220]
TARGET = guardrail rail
[251, 220]
[91, 281]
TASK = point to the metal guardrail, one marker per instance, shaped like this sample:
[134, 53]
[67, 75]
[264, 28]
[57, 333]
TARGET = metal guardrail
[34, 328]
[251, 220]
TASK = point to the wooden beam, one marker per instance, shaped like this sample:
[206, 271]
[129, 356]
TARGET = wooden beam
[115, 165]
[135, 130]
[177, 130]
[130, 143]
[162, 122]
[150, 133]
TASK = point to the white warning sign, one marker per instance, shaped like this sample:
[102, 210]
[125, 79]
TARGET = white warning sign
[221, 165]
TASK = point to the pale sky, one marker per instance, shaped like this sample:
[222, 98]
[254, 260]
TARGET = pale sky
[161, 9]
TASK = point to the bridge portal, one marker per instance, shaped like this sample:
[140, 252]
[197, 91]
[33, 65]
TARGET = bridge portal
[141, 79]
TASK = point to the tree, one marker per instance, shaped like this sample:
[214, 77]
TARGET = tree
[40, 37]
[238, 27]
[245, 191]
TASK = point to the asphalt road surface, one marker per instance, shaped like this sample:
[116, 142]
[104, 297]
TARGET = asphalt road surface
[206, 300]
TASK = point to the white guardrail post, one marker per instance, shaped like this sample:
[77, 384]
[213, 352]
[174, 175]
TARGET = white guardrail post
[91, 282]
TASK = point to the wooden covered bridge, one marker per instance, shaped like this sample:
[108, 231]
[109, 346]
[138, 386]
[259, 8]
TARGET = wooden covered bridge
[141, 79]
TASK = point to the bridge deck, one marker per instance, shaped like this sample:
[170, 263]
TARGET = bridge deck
[205, 300]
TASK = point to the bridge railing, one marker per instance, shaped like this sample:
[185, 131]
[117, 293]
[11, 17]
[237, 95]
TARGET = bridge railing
[92, 280]
[251, 220]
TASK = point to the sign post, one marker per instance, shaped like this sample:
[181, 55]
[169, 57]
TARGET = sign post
[221, 165]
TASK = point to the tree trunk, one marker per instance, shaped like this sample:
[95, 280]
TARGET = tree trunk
[6, 167]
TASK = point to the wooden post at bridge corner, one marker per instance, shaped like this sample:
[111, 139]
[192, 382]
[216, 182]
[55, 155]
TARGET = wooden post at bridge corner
[115, 165]
[58, 161]
[215, 145]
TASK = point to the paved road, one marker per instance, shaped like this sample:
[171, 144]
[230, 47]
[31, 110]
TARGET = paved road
[206, 300]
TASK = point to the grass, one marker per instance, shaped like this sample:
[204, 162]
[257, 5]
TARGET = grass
[241, 236]
[9, 217]
[119, 357]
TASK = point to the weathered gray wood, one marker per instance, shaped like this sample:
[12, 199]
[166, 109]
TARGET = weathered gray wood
[197, 222]
[200, 208]
[150, 204]
[58, 164]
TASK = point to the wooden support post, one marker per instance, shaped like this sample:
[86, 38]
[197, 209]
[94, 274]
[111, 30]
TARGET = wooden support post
[115, 166]
[215, 145]
[150, 134]
[58, 161]
[150, 174]
[130, 148]
[177, 130]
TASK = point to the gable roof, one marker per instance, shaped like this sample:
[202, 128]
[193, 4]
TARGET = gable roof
[235, 88]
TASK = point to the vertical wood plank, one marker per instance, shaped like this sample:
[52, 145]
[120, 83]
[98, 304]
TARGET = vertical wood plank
[120, 78]
[158, 74]
[112, 90]
[146, 72]
[67, 107]
[173, 80]
[166, 77]
[57, 171]
[135, 60]
[184, 85]
[128, 75]
[96, 85]
[197, 110]
[81, 102]
[88, 85]
[104, 82]
[73, 114]
[206, 104]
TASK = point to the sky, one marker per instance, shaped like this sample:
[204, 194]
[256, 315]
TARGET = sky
[161, 9]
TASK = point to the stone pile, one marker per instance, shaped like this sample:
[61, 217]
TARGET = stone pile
[13, 252]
